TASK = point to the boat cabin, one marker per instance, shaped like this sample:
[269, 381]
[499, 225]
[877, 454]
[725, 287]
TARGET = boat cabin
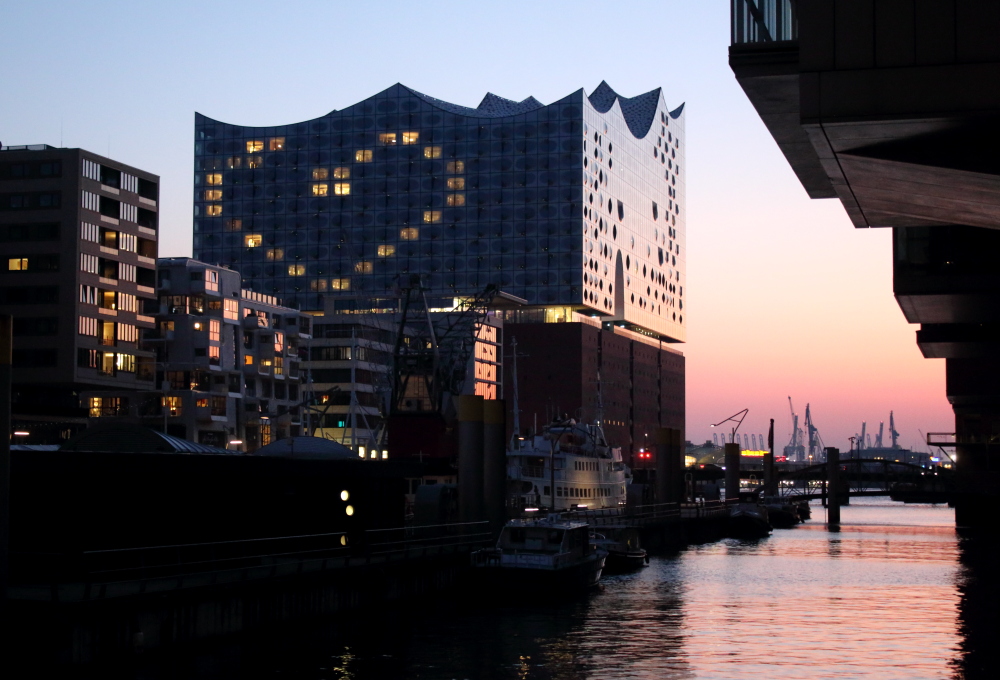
[552, 538]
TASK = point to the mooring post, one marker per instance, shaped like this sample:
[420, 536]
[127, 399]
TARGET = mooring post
[495, 463]
[470, 457]
[732, 471]
[833, 486]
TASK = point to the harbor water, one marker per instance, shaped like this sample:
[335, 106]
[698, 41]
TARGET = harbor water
[896, 593]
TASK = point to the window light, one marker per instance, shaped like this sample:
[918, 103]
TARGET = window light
[342, 188]
[254, 146]
[387, 138]
[432, 152]
[411, 137]
[320, 189]
[363, 155]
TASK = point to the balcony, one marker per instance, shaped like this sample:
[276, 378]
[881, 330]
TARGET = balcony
[763, 21]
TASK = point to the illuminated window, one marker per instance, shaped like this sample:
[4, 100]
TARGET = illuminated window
[199, 325]
[340, 284]
[248, 360]
[296, 270]
[318, 285]
[387, 138]
[432, 152]
[363, 267]
[252, 240]
[125, 362]
[254, 146]
[234, 225]
[172, 405]
[213, 210]
[363, 155]
[410, 137]
[234, 162]
[215, 330]
[456, 167]
[17, 264]
[211, 280]
[456, 199]
[321, 173]
[432, 216]
[342, 173]
[386, 251]
[409, 233]
[275, 254]
[255, 162]
[279, 365]
[321, 189]
[456, 182]
[279, 342]
[342, 188]
[231, 309]
[275, 144]
[213, 178]
[213, 194]
[201, 403]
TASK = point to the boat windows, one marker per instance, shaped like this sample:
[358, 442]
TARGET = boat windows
[554, 537]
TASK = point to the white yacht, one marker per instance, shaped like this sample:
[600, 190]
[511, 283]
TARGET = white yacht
[568, 466]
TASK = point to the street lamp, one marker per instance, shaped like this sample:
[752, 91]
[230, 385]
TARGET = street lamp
[739, 414]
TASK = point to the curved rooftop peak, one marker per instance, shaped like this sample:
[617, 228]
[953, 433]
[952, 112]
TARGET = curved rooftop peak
[639, 111]
[491, 106]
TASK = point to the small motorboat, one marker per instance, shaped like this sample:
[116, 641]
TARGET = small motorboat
[780, 513]
[624, 552]
[546, 555]
[748, 518]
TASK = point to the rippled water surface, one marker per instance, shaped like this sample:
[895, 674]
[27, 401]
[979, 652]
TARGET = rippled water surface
[888, 596]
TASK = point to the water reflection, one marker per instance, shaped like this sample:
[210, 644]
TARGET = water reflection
[894, 594]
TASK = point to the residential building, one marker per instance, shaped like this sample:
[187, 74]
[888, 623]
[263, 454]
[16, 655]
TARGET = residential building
[79, 234]
[576, 207]
[892, 108]
[227, 362]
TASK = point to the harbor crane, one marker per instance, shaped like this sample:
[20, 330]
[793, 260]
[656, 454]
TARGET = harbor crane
[814, 440]
[892, 431]
[878, 439]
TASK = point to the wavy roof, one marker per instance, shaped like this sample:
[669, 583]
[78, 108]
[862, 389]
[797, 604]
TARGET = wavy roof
[639, 111]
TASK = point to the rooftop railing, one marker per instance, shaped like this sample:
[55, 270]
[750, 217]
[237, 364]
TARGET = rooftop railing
[762, 21]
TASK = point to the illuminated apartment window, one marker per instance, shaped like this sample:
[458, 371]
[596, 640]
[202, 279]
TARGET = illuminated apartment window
[321, 189]
[172, 405]
[279, 342]
[387, 138]
[456, 199]
[234, 225]
[201, 403]
[213, 210]
[340, 284]
[279, 365]
[432, 216]
[125, 362]
[456, 167]
[252, 240]
[363, 267]
[276, 144]
[275, 254]
[231, 309]
[409, 233]
[342, 188]
[215, 330]
[321, 173]
[456, 182]
[363, 155]
[296, 270]
[255, 162]
[254, 146]
[213, 194]
[411, 137]
[341, 173]
[386, 251]
[432, 152]
[213, 178]
[17, 264]
[212, 280]
[317, 285]
[234, 162]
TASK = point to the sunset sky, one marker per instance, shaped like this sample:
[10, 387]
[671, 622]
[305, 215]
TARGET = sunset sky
[785, 297]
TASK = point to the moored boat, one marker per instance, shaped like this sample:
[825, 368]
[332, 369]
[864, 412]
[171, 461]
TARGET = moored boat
[748, 519]
[624, 552]
[547, 555]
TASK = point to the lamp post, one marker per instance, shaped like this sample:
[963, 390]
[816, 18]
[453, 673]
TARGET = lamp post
[739, 414]
[732, 455]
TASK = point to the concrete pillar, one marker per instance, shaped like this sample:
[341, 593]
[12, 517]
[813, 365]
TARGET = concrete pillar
[470, 457]
[732, 471]
[6, 342]
[669, 465]
[833, 486]
[770, 486]
[495, 463]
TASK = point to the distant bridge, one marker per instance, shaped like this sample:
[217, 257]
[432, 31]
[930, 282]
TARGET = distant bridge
[865, 477]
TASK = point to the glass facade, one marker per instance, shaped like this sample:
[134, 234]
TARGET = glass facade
[575, 204]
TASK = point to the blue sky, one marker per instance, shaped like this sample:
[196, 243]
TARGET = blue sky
[786, 298]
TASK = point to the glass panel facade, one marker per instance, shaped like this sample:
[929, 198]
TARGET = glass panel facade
[553, 204]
